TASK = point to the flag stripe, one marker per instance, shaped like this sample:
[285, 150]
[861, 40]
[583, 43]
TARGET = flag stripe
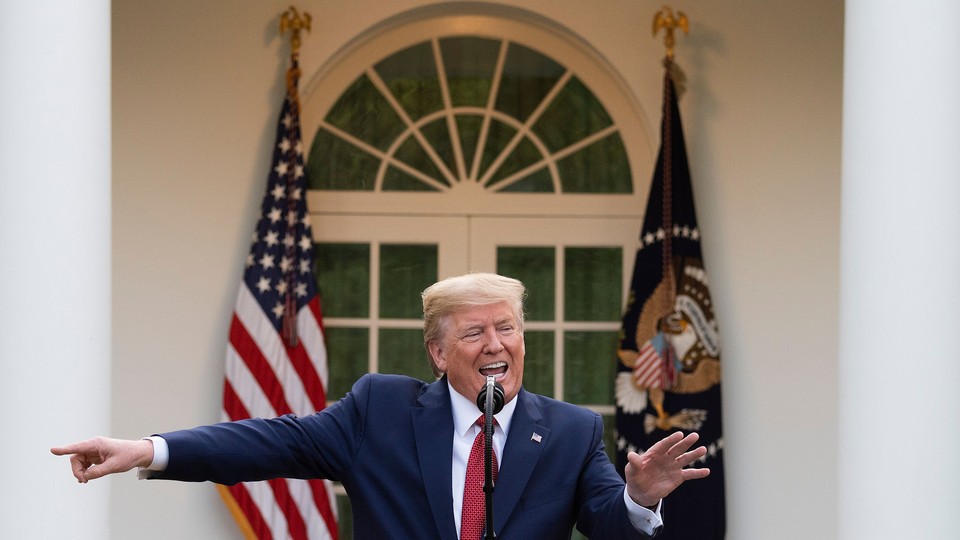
[303, 494]
[241, 497]
[300, 494]
[233, 410]
[267, 345]
[247, 393]
[262, 495]
[233, 407]
[647, 370]
[281, 492]
[324, 502]
[310, 326]
[318, 354]
[259, 367]
[300, 358]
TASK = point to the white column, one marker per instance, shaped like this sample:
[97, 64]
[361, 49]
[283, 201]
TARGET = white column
[54, 262]
[899, 383]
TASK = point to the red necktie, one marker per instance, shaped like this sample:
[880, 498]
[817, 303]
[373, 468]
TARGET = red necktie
[472, 518]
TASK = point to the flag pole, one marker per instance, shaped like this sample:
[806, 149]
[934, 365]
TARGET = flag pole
[666, 20]
[669, 22]
[292, 20]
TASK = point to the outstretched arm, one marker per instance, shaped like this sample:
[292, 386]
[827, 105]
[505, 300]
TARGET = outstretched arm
[101, 456]
[658, 471]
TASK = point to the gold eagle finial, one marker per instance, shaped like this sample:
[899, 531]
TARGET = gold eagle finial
[291, 20]
[666, 20]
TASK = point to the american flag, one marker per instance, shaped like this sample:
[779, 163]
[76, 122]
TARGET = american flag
[276, 356]
[651, 369]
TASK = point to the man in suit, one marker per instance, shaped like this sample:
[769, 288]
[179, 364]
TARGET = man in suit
[401, 446]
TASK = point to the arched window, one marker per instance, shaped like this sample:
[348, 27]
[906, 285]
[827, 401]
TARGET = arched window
[459, 110]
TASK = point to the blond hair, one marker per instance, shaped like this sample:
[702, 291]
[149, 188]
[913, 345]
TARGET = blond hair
[447, 296]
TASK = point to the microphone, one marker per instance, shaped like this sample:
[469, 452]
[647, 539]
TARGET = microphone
[490, 401]
[497, 390]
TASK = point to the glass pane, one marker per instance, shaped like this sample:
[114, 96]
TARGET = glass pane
[592, 290]
[538, 362]
[601, 167]
[498, 136]
[396, 180]
[522, 156]
[344, 518]
[589, 366]
[540, 181]
[572, 116]
[468, 129]
[348, 351]
[438, 134]
[337, 164]
[469, 63]
[405, 271]
[527, 78]
[343, 279]
[402, 352]
[535, 267]
[411, 76]
[364, 113]
[610, 436]
[411, 153]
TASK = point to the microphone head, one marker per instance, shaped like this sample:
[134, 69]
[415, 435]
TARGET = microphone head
[498, 396]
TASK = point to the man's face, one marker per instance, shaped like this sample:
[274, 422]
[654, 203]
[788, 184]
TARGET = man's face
[480, 341]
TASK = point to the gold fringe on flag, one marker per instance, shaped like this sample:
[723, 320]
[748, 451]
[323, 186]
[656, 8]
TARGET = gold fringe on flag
[236, 512]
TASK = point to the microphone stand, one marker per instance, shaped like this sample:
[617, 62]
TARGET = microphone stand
[488, 483]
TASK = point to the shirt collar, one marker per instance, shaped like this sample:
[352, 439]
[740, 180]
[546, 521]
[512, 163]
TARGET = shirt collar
[465, 413]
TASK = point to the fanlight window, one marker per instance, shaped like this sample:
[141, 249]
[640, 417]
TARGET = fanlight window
[453, 111]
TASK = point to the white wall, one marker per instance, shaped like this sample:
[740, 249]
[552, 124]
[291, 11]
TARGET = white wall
[197, 87]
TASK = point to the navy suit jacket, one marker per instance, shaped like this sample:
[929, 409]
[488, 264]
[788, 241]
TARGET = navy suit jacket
[390, 442]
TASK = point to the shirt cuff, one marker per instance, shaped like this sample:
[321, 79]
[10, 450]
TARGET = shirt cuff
[161, 456]
[642, 518]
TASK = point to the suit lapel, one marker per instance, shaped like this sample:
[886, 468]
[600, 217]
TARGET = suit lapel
[520, 456]
[435, 453]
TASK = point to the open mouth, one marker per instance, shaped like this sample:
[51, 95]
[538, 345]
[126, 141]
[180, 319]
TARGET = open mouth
[497, 369]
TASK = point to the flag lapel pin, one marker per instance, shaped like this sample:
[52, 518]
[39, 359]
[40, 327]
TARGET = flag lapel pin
[536, 437]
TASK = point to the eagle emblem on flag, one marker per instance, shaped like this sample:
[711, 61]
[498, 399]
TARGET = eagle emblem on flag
[679, 349]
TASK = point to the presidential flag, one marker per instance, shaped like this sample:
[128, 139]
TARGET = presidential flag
[276, 356]
[668, 368]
